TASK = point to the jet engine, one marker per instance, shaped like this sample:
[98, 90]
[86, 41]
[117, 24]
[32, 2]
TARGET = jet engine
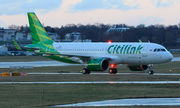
[138, 67]
[98, 64]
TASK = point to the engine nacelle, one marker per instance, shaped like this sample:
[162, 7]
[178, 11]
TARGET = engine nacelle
[138, 67]
[98, 64]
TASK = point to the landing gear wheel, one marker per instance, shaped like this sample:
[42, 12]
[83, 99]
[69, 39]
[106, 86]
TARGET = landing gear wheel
[86, 71]
[112, 70]
[115, 70]
[151, 72]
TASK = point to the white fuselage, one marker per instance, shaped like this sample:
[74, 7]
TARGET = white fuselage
[117, 53]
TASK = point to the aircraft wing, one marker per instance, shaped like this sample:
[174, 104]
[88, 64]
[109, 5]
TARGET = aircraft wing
[87, 56]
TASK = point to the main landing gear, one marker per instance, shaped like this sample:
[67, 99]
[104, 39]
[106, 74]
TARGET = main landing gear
[151, 72]
[86, 71]
[112, 70]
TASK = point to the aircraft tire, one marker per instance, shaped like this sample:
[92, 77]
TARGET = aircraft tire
[112, 70]
[151, 72]
[115, 70]
[86, 71]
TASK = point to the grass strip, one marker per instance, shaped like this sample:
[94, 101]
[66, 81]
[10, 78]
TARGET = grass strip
[31, 95]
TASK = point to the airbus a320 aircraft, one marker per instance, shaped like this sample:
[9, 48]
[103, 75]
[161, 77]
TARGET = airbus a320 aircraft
[96, 56]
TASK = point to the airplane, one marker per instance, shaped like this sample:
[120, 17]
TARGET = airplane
[102, 56]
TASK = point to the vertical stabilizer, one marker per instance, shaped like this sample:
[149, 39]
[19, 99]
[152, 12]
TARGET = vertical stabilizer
[38, 33]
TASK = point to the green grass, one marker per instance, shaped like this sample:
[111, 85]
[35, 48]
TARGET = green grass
[31, 95]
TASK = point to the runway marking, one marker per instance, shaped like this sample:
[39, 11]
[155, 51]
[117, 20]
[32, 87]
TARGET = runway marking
[101, 73]
[98, 82]
[129, 102]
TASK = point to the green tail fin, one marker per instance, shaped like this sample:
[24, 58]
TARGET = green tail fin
[38, 33]
[16, 45]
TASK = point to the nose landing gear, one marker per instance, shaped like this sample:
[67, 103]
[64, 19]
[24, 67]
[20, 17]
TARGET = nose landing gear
[86, 71]
[151, 72]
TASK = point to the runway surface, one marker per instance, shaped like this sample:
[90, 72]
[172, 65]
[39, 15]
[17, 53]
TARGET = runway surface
[176, 59]
[45, 63]
[98, 82]
[145, 73]
[129, 102]
[34, 64]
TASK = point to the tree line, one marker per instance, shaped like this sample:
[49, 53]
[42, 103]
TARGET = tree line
[168, 36]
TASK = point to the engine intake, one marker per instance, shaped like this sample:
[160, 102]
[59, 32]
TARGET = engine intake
[98, 64]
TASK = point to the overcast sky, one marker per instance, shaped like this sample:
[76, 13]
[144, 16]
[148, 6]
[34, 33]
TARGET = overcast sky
[56, 13]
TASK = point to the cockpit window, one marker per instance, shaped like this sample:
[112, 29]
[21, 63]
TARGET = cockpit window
[159, 49]
[163, 50]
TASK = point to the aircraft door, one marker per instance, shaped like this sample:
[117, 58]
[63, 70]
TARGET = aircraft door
[144, 51]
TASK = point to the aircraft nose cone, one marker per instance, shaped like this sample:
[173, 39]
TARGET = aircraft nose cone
[168, 57]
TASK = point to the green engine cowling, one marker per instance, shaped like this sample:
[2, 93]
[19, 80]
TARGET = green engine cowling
[98, 64]
[138, 67]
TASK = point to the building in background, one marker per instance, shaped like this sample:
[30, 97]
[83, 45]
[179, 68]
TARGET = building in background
[54, 36]
[3, 49]
[8, 34]
[76, 37]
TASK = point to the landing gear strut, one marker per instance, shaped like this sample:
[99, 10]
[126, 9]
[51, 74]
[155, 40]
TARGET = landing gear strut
[86, 71]
[151, 72]
[112, 70]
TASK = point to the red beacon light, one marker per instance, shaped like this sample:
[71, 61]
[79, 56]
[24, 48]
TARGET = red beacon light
[113, 65]
[109, 42]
